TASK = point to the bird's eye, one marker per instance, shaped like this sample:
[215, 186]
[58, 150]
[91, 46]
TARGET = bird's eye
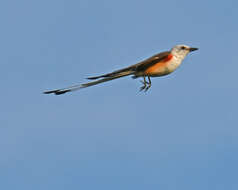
[183, 47]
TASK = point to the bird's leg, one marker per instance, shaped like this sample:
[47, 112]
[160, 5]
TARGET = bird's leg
[144, 82]
[149, 84]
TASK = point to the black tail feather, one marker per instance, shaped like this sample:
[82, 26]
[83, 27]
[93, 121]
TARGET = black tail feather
[105, 77]
[93, 78]
[56, 92]
[85, 85]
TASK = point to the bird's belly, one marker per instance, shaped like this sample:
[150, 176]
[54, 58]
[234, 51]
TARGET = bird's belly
[161, 69]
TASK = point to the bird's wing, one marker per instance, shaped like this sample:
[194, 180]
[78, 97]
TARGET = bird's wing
[160, 57]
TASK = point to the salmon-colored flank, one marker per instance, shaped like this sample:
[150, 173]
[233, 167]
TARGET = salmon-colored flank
[168, 58]
[159, 67]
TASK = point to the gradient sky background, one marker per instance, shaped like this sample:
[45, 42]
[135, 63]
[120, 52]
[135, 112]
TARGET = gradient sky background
[181, 134]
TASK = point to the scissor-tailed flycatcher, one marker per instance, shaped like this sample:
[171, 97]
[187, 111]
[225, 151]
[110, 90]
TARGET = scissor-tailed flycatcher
[158, 65]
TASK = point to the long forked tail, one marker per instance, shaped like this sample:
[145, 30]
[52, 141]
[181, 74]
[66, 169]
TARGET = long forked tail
[107, 77]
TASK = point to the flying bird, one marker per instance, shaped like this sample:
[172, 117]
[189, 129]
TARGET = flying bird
[158, 65]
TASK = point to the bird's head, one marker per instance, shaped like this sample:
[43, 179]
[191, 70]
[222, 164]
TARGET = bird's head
[181, 51]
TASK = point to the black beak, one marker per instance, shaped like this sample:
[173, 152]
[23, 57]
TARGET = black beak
[193, 49]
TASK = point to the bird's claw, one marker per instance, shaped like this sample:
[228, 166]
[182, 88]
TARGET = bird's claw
[143, 88]
[146, 85]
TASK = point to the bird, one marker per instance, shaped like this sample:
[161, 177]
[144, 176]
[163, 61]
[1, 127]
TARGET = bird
[158, 65]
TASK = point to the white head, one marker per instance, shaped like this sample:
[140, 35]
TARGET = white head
[180, 51]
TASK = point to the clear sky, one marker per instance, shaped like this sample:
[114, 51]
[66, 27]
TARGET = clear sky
[181, 134]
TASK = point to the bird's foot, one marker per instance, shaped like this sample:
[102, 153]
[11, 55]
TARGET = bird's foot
[147, 87]
[144, 85]
[143, 88]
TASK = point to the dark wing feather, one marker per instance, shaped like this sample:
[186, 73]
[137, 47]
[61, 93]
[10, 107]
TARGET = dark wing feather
[142, 66]
[112, 74]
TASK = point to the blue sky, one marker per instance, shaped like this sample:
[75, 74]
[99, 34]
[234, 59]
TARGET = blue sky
[181, 134]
